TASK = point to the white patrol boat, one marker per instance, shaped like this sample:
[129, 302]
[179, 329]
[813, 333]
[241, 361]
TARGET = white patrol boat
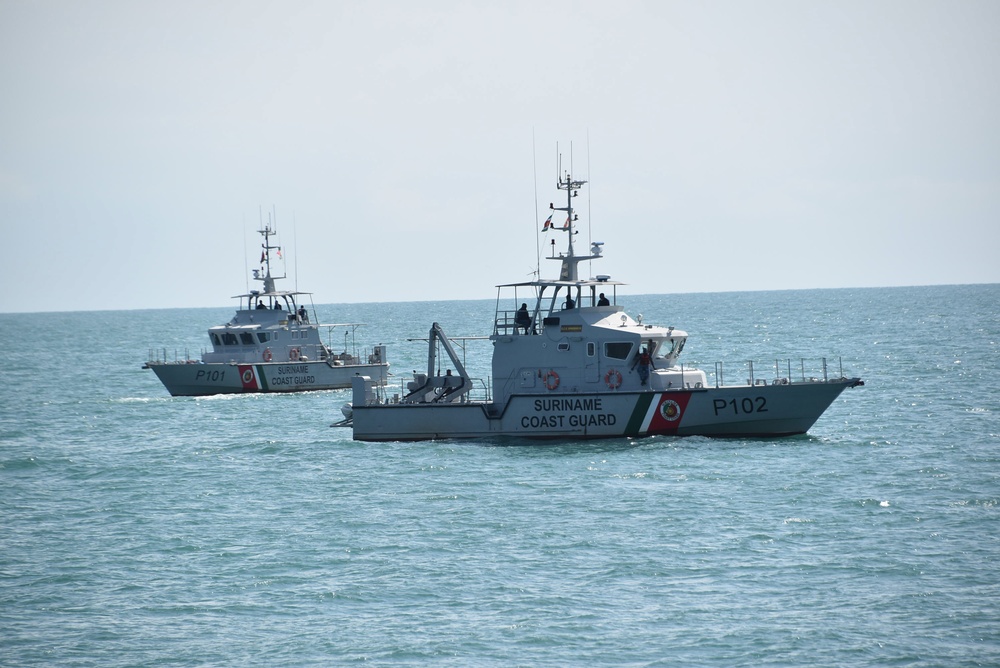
[270, 345]
[570, 363]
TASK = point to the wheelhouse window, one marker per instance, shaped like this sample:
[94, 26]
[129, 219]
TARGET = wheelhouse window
[670, 347]
[246, 338]
[263, 337]
[216, 340]
[617, 350]
[229, 339]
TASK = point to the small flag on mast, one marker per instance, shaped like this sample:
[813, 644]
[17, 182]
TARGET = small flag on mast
[548, 224]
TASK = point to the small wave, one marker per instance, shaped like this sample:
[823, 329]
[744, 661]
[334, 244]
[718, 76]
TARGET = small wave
[976, 503]
[630, 476]
[225, 397]
[139, 400]
[20, 464]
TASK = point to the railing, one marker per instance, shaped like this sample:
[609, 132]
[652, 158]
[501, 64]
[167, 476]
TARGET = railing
[385, 394]
[506, 323]
[785, 366]
[159, 356]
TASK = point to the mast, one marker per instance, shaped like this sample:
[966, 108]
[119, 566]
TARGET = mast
[570, 259]
[265, 258]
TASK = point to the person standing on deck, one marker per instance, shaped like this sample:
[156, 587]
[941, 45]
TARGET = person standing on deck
[645, 362]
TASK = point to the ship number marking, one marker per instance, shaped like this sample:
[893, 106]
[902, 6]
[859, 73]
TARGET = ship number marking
[746, 405]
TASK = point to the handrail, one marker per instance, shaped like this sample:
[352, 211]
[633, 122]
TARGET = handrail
[821, 372]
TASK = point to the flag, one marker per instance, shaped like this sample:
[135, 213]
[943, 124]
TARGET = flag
[548, 224]
[279, 253]
[262, 257]
[566, 224]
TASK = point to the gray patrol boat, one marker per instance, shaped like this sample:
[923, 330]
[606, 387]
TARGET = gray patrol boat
[270, 345]
[573, 364]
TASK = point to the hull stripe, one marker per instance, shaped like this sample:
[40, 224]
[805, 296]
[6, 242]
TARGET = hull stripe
[648, 419]
[261, 378]
[248, 378]
[640, 414]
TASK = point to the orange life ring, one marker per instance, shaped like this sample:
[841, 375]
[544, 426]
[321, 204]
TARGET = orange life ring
[267, 354]
[613, 378]
[293, 354]
[551, 380]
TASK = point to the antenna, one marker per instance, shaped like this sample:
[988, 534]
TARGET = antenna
[246, 264]
[534, 177]
[273, 216]
[590, 215]
[295, 250]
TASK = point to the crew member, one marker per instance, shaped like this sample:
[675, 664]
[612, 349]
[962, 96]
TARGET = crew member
[645, 362]
[522, 319]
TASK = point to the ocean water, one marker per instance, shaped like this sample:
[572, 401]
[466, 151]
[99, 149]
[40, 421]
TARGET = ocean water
[137, 529]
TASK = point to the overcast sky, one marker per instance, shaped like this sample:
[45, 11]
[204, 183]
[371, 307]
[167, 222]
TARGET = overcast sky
[729, 145]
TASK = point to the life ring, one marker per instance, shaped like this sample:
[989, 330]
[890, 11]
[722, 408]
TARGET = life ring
[293, 354]
[267, 354]
[551, 380]
[613, 378]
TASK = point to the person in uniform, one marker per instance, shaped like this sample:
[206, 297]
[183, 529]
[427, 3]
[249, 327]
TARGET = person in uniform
[522, 319]
[644, 361]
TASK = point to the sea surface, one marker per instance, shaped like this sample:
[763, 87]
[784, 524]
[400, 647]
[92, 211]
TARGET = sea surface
[137, 529]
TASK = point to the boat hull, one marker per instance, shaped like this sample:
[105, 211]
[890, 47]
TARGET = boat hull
[201, 379]
[752, 410]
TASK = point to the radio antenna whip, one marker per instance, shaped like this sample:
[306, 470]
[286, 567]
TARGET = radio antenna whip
[246, 264]
[590, 215]
[534, 177]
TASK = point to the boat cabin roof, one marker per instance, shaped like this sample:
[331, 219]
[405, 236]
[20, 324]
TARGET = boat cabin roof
[547, 282]
[276, 293]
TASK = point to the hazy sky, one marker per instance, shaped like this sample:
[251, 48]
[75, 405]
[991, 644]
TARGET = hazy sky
[729, 145]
